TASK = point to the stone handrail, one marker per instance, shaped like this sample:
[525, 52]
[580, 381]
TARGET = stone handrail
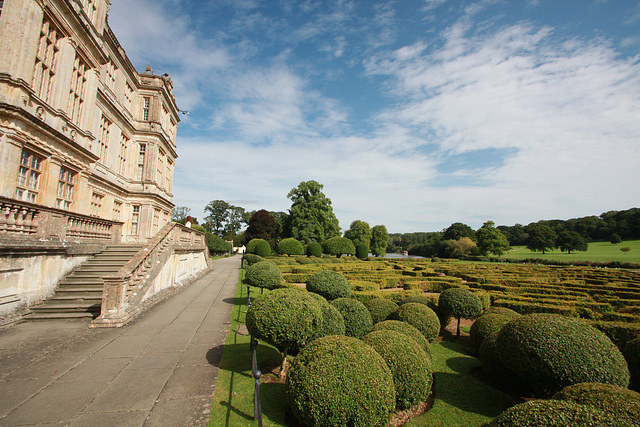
[23, 219]
[124, 291]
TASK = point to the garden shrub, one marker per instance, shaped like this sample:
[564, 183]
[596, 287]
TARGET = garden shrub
[621, 403]
[290, 246]
[551, 352]
[364, 285]
[459, 303]
[421, 299]
[407, 329]
[545, 413]
[357, 319]
[264, 274]
[332, 321]
[287, 318]
[409, 364]
[421, 317]
[339, 246]
[340, 381]
[492, 364]
[330, 284]
[380, 308]
[362, 251]
[503, 311]
[262, 248]
[252, 258]
[631, 353]
[314, 249]
[251, 246]
[486, 325]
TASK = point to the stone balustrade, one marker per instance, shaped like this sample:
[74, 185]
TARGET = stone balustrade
[18, 219]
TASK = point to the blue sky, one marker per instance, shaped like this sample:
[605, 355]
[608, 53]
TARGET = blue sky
[414, 114]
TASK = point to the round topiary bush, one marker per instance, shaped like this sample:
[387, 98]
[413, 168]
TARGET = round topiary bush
[545, 413]
[621, 403]
[262, 248]
[421, 299]
[314, 249]
[339, 246]
[263, 274]
[459, 303]
[330, 284]
[340, 381]
[332, 321]
[407, 329]
[504, 311]
[362, 251]
[357, 319]
[486, 325]
[380, 308]
[252, 258]
[290, 246]
[287, 318]
[409, 363]
[492, 365]
[631, 353]
[551, 351]
[421, 317]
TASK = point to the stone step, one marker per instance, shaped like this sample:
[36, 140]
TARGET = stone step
[60, 316]
[80, 289]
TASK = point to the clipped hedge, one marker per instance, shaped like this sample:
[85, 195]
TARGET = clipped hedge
[421, 317]
[551, 352]
[263, 274]
[380, 309]
[409, 364]
[486, 325]
[257, 246]
[545, 413]
[332, 321]
[314, 249]
[362, 251]
[330, 284]
[252, 258]
[357, 319]
[621, 403]
[287, 318]
[340, 381]
[492, 365]
[290, 246]
[459, 303]
[407, 329]
[631, 353]
[503, 311]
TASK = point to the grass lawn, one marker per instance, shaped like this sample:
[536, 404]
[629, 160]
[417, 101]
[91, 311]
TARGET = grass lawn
[598, 252]
[460, 399]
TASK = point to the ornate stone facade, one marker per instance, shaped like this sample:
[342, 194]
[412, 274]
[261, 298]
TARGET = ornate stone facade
[81, 131]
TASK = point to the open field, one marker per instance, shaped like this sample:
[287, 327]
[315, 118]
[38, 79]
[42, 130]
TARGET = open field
[598, 252]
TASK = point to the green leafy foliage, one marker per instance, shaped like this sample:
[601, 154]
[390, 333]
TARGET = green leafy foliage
[312, 217]
[359, 233]
[290, 246]
[216, 244]
[545, 413]
[571, 241]
[362, 251]
[314, 249]
[380, 308]
[490, 240]
[287, 318]
[550, 351]
[492, 365]
[339, 246]
[264, 274]
[486, 325]
[421, 317]
[621, 403]
[503, 311]
[332, 321]
[252, 258]
[541, 238]
[357, 319]
[330, 284]
[259, 247]
[632, 355]
[409, 364]
[404, 328]
[340, 381]
[379, 240]
[459, 303]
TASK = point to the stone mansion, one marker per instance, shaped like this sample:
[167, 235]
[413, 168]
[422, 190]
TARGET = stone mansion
[87, 143]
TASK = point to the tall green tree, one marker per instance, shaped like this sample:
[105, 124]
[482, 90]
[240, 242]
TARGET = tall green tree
[235, 220]
[180, 214]
[491, 240]
[541, 238]
[218, 214]
[359, 232]
[312, 217]
[457, 231]
[379, 240]
[571, 241]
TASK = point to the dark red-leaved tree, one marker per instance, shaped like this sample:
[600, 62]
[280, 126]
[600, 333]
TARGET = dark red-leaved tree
[262, 225]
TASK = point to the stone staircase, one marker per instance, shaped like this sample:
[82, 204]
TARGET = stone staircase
[79, 295]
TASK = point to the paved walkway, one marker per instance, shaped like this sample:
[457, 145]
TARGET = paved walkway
[159, 370]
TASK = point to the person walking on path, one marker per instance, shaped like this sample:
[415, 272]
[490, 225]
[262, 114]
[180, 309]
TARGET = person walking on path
[159, 370]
